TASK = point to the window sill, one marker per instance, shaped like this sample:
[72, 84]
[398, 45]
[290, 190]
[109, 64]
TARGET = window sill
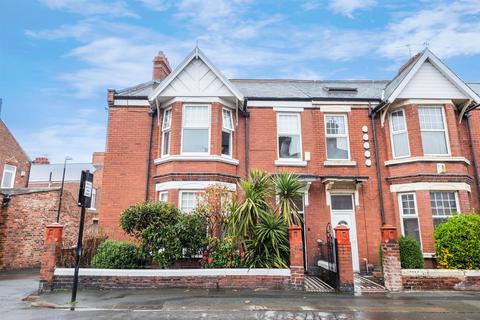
[426, 159]
[207, 158]
[290, 163]
[428, 255]
[339, 163]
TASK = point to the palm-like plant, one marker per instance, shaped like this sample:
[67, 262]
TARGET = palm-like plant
[256, 190]
[269, 246]
[288, 190]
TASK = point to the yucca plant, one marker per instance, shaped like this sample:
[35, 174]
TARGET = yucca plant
[288, 190]
[256, 190]
[269, 246]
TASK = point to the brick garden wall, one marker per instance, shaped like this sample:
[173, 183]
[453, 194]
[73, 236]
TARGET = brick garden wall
[432, 279]
[23, 222]
[190, 278]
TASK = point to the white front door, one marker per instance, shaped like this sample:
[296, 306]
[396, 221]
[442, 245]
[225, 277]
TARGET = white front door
[342, 211]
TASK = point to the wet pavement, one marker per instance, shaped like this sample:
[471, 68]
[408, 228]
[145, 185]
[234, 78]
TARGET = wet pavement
[227, 304]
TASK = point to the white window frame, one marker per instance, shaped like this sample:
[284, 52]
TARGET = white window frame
[346, 134]
[165, 130]
[180, 195]
[445, 130]
[93, 200]
[209, 107]
[229, 131]
[402, 216]
[399, 132]
[162, 194]
[13, 170]
[298, 115]
[457, 203]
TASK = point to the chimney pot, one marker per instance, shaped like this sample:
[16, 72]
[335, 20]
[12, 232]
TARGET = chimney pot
[41, 160]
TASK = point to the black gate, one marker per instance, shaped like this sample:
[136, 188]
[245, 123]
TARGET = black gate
[328, 258]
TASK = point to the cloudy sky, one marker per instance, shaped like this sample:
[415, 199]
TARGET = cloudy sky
[59, 57]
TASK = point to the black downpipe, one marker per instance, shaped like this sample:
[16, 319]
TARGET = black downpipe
[149, 152]
[247, 116]
[472, 150]
[377, 165]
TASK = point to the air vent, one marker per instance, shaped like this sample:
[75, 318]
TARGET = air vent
[341, 89]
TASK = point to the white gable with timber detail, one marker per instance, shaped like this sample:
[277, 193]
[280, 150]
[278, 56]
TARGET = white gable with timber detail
[198, 80]
[429, 83]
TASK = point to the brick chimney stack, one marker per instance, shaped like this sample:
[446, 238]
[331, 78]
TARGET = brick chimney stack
[41, 160]
[161, 67]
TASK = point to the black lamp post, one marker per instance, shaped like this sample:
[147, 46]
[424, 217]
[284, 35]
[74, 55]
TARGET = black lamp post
[61, 188]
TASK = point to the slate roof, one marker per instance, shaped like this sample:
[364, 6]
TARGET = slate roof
[41, 172]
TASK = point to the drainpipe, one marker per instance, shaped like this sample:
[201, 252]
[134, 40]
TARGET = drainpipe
[472, 150]
[377, 162]
[246, 114]
[151, 113]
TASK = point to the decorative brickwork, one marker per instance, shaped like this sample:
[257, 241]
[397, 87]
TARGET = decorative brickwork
[51, 250]
[391, 259]
[344, 258]
[296, 257]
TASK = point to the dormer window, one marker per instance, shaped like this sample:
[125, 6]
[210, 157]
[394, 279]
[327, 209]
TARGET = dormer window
[227, 132]
[196, 129]
[433, 129]
[166, 127]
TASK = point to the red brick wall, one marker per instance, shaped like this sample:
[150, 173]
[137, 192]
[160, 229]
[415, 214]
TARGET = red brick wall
[11, 153]
[23, 223]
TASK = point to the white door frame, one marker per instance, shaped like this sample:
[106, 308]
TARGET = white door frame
[353, 226]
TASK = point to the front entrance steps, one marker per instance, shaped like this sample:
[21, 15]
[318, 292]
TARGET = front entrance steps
[315, 284]
[365, 285]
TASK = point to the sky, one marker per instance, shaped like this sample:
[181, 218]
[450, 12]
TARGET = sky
[59, 57]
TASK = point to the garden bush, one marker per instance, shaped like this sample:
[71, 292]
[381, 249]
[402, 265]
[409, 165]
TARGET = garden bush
[117, 255]
[224, 253]
[166, 233]
[411, 256]
[457, 242]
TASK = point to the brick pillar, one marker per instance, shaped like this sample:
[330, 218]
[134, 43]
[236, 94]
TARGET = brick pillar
[392, 269]
[296, 257]
[52, 247]
[344, 259]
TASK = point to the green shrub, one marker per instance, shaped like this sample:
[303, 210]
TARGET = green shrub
[117, 255]
[224, 254]
[457, 242]
[166, 233]
[411, 256]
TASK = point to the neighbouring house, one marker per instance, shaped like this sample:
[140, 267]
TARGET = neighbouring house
[371, 152]
[14, 162]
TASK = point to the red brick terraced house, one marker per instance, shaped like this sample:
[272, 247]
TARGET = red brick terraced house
[402, 152]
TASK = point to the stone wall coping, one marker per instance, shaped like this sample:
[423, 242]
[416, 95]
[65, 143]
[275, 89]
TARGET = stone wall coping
[173, 272]
[439, 273]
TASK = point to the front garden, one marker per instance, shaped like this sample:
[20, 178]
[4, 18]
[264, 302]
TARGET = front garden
[246, 229]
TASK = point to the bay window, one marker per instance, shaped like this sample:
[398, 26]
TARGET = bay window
[196, 129]
[189, 200]
[8, 177]
[166, 126]
[433, 130]
[163, 196]
[227, 132]
[409, 215]
[336, 132]
[289, 136]
[399, 136]
[444, 204]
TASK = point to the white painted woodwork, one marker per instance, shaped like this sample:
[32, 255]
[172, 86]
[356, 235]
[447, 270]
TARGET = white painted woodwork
[430, 83]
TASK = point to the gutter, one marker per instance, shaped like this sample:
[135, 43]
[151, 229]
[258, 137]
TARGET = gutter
[151, 113]
[312, 99]
[373, 113]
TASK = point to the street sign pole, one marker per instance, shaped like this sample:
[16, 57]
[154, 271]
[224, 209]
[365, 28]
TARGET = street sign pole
[84, 201]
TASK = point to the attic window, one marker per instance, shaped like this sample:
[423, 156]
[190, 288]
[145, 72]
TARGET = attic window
[341, 89]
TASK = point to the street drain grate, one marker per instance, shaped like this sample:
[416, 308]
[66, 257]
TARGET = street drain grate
[364, 285]
[315, 284]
